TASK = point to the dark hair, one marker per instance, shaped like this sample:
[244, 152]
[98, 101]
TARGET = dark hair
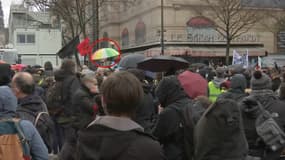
[48, 66]
[24, 84]
[138, 73]
[68, 66]
[257, 74]
[122, 92]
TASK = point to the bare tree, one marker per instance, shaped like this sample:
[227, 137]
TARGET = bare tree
[231, 19]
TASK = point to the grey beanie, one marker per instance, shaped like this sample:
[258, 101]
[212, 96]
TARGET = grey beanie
[88, 77]
[260, 81]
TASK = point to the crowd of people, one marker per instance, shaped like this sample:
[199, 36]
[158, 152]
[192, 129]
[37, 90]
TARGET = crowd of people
[81, 114]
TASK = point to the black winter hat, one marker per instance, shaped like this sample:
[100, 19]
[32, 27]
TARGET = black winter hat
[260, 81]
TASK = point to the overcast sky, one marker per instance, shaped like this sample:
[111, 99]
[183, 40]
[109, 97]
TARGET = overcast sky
[6, 9]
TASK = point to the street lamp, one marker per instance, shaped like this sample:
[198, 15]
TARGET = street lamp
[162, 29]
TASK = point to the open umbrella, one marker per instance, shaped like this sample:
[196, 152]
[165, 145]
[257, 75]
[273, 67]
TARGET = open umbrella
[2, 62]
[193, 84]
[131, 61]
[163, 63]
[104, 53]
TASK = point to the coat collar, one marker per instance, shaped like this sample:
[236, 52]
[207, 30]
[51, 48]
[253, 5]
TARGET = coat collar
[117, 123]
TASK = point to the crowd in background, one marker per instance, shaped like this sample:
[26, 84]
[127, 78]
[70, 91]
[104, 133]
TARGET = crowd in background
[111, 114]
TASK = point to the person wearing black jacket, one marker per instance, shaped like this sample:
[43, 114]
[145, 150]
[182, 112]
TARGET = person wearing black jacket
[146, 110]
[83, 101]
[261, 86]
[237, 88]
[115, 136]
[172, 98]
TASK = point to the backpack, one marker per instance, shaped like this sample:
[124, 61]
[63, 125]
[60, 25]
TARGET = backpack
[44, 125]
[268, 129]
[13, 143]
[187, 125]
[54, 98]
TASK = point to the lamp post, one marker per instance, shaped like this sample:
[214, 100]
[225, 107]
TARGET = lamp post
[162, 29]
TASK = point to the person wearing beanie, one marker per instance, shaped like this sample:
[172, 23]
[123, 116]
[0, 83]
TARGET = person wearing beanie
[214, 86]
[261, 86]
[237, 88]
[8, 105]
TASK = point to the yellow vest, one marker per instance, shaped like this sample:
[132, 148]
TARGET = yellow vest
[214, 92]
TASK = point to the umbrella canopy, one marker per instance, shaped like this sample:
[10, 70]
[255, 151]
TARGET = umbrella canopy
[198, 65]
[131, 61]
[193, 84]
[163, 63]
[104, 53]
[2, 62]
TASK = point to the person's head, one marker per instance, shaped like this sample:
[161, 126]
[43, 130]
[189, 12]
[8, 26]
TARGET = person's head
[68, 66]
[89, 81]
[220, 72]
[23, 84]
[204, 101]
[260, 81]
[48, 66]
[5, 74]
[238, 81]
[121, 94]
[8, 102]
[138, 73]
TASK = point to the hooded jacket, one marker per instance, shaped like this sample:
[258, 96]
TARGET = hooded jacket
[250, 112]
[237, 88]
[8, 105]
[116, 138]
[168, 131]
[30, 106]
[219, 133]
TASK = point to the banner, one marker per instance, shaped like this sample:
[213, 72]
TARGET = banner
[245, 59]
[237, 58]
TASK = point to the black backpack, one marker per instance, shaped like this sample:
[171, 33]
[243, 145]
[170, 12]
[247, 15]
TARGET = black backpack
[54, 98]
[45, 126]
[187, 125]
[266, 127]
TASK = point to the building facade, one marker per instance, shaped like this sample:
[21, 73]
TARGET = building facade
[136, 25]
[34, 36]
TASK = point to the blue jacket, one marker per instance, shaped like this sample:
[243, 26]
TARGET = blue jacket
[8, 105]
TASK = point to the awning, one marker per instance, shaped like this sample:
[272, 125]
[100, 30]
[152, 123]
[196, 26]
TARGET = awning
[203, 51]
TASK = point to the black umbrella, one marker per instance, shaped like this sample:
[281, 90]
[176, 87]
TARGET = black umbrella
[163, 63]
[131, 61]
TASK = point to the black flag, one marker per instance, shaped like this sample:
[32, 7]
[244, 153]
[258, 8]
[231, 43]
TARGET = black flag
[70, 49]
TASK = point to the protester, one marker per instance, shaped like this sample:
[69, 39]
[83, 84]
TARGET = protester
[69, 84]
[5, 74]
[8, 103]
[146, 111]
[31, 107]
[116, 136]
[219, 133]
[48, 69]
[168, 129]
[83, 101]
[23, 86]
[214, 86]
[237, 88]
[262, 92]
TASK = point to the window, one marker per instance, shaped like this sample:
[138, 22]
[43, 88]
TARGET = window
[30, 38]
[21, 38]
[25, 38]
